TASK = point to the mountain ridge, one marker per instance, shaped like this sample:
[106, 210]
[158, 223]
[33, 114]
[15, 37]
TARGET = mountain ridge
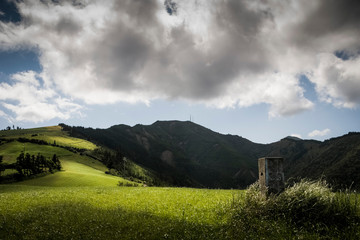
[188, 154]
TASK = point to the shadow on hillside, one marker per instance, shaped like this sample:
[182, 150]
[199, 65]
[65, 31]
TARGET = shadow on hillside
[81, 221]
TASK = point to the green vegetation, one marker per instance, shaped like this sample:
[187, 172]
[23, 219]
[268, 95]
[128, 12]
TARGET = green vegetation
[306, 210]
[75, 174]
[77, 169]
[187, 154]
[84, 201]
[119, 165]
[112, 213]
[28, 165]
[51, 135]
[181, 153]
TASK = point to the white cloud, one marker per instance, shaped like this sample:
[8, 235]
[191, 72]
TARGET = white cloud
[221, 53]
[2, 114]
[337, 81]
[319, 133]
[26, 77]
[32, 102]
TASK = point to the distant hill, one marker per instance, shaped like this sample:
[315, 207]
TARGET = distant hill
[187, 154]
[78, 167]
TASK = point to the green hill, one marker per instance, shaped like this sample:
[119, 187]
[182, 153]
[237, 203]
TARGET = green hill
[180, 154]
[187, 154]
[78, 169]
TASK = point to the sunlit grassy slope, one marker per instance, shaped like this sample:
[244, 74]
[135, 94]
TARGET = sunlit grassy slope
[77, 170]
[75, 174]
[52, 134]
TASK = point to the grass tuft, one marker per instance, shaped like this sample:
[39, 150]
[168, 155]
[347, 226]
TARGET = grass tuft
[309, 209]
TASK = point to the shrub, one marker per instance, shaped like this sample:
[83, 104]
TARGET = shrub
[127, 184]
[307, 207]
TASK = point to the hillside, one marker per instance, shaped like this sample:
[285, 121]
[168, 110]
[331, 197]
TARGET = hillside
[178, 153]
[187, 154]
[78, 169]
[183, 153]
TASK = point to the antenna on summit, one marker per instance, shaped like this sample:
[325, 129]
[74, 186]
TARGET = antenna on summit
[190, 117]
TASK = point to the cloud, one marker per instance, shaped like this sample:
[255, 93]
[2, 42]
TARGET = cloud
[337, 80]
[319, 133]
[220, 53]
[31, 101]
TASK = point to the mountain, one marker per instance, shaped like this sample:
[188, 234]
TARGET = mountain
[187, 154]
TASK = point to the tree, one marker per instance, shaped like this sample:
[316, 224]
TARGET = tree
[20, 163]
[120, 159]
[55, 160]
[2, 166]
[106, 158]
[27, 164]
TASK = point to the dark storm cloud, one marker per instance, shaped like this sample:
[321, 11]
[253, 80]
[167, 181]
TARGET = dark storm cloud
[223, 53]
[124, 47]
[331, 16]
[235, 16]
[120, 56]
[204, 74]
[142, 13]
[327, 19]
[67, 25]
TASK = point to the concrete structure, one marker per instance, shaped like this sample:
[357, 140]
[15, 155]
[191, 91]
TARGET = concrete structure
[271, 175]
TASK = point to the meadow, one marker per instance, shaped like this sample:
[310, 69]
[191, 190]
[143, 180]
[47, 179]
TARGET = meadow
[51, 135]
[108, 212]
[29, 212]
[82, 202]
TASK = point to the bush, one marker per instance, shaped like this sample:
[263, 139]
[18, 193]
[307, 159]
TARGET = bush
[127, 184]
[308, 208]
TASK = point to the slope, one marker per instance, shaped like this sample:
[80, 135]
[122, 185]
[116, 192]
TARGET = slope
[187, 154]
[75, 174]
[183, 153]
[77, 169]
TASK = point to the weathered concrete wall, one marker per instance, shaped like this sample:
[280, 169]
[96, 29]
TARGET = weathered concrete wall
[271, 175]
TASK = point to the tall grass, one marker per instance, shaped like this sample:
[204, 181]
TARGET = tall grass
[308, 209]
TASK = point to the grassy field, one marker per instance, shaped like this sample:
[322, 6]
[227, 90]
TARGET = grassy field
[103, 212]
[28, 212]
[82, 202]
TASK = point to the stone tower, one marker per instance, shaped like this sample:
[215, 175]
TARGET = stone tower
[271, 175]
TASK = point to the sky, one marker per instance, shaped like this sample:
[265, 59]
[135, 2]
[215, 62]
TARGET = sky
[260, 69]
